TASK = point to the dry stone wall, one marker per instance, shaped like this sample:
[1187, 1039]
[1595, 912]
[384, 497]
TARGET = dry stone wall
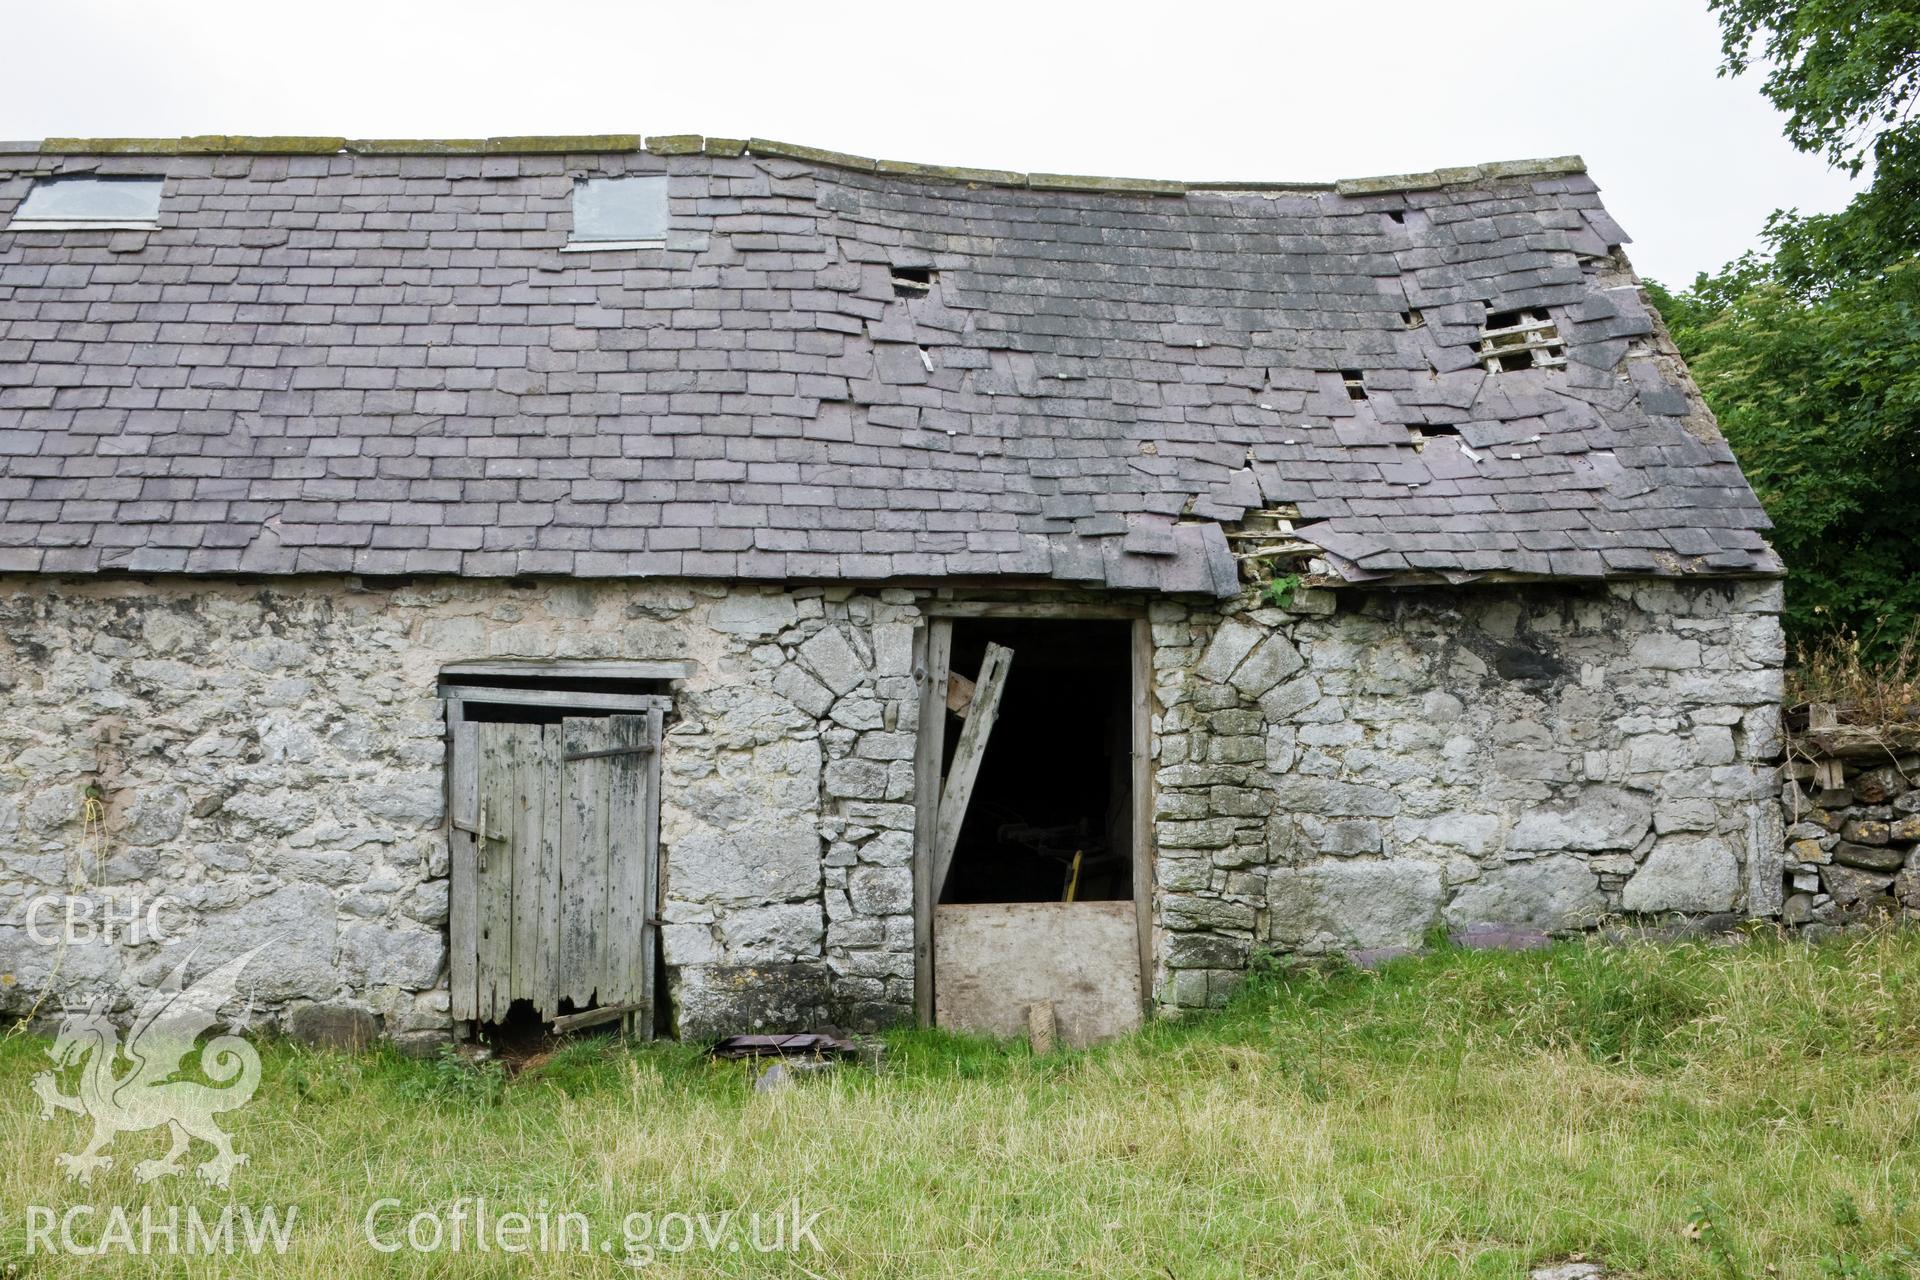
[1349, 774]
[1853, 844]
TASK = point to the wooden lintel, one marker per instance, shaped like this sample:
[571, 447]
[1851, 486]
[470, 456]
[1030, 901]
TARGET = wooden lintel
[1066, 610]
[559, 699]
[966, 761]
[591, 668]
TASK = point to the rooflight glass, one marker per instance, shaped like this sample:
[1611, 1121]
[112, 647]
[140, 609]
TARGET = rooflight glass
[92, 200]
[620, 209]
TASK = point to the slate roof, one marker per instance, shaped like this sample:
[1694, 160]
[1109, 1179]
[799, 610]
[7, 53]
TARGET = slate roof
[372, 357]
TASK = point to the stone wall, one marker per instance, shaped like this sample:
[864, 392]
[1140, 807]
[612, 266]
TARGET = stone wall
[269, 763]
[1853, 844]
[1339, 779]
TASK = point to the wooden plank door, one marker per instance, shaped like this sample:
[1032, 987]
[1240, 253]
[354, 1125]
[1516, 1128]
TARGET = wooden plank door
[554, 844]
[609, 828]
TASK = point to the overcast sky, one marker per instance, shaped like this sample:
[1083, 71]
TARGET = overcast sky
[1283, 90]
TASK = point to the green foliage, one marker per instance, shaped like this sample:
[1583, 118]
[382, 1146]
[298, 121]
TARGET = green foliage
[449, 1080]
[1810, 355]
[1846, 73]
[1279, 592]
[1821, 402]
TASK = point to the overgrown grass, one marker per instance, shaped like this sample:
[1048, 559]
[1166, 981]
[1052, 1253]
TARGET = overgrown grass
[1841, 670]
[1694, 1111]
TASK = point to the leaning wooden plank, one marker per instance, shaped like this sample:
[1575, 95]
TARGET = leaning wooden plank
[619, 978]
[463, 815]
[594, 1017]
[966, 760]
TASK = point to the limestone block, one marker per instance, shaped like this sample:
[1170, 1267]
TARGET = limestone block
[1232, 642]
[294, 926]
[881, 891]
[857, 779]
[1282, 747]
[1336, 905]
[1555, 892]
[1867, 831]
[833, 658]
[342, 1027]
[1868, 857]
[1474, 832]
[800, 688]
[1685, 874]
[1288, 700]
[763, 862]
[404, 955]
[1602, 818]
[859, 713]
[1331, 798]
[1340, 837]
[753, 617]
[785, 931]
[1852, 884]
[1664, 651]
[1273, 661]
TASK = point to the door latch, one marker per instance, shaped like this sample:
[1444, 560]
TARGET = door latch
[480, 835]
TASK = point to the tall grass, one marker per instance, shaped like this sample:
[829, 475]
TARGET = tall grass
[1840, 669]
[1691, 1111]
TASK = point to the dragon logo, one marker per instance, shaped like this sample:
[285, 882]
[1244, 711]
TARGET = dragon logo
[145, 1095]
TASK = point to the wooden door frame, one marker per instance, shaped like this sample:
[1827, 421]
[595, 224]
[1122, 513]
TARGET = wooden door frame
[459, 775]
[932, 659]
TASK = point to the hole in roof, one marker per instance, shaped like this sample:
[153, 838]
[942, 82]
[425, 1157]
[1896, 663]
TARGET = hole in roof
[1520, 338]
[607, 210]
[1356, 388]
[912, 282]
[1412, 318]
[91, 199]
[1396, 215]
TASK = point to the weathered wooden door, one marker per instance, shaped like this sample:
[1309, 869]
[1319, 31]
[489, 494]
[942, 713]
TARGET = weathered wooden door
[555, 832]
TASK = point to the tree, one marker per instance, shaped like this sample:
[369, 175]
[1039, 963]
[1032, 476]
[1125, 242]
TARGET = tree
[1847, 75]
[1810, 353]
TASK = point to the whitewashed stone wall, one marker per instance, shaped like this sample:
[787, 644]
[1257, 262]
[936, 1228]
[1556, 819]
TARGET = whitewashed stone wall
[1534, 757]
[270, 760]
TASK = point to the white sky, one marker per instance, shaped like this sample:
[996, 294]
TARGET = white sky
[1288, 90]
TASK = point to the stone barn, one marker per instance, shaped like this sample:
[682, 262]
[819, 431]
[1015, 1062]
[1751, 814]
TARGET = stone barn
[723, 585]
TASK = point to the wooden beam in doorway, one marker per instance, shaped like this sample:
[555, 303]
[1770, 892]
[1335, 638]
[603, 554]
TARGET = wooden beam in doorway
[966, 760]
[933, 650]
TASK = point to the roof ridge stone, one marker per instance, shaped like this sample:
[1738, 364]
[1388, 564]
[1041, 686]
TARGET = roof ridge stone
[693, 144]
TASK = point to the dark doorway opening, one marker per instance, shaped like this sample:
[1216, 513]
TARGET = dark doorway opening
[1050, 819]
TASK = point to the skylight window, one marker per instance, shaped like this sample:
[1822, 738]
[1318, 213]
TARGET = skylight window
[619, 213]
[60, 203]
